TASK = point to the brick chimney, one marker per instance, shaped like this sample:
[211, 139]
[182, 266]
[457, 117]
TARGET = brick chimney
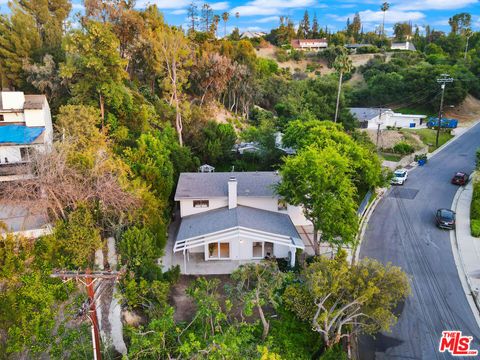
[232, 192]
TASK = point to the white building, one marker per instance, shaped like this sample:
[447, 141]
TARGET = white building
[25, 126]
[252, 34]
[309, 44]
[370, 118]
[403, 46]
[235, 216]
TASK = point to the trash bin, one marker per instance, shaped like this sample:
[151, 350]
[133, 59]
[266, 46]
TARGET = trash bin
[421, 162]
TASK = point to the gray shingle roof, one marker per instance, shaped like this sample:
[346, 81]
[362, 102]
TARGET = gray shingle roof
[225, 218]
[366, 114]
[208, 185]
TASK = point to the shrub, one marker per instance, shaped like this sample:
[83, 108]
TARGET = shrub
[475, 227]
[403, 148]
[281, 55]
[371, 49]
[478, 158]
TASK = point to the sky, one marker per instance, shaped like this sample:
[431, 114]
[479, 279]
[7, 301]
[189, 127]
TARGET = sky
[263, 15]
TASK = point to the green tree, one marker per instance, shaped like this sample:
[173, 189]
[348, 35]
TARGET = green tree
[140, 251]
[257, 286]
[337, 298]
[93, 65]
[173, 56]
[343, 64]
[319, 180]
[150, 160]
[402, 31]
[365, 165]
[19, 40]
[76, 239]
[460, 22]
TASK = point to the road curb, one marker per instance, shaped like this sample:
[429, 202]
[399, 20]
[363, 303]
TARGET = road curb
[364, 222]
[457, 256]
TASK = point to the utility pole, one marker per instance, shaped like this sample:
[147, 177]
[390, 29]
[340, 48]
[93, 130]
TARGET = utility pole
[88, 278]
[379, 123]
[443, 80]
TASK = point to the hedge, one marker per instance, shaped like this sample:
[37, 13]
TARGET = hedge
[475, 211]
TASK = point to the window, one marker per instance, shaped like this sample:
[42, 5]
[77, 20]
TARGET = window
[282, 205]
[219, 250]
[2, 118]
[25, 153]
[200, 203]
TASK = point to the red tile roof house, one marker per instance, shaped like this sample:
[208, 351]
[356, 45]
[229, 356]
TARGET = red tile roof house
[309, 44]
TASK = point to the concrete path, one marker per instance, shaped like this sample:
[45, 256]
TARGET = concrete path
[467, 248]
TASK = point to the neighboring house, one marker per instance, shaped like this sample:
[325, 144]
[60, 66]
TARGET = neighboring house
[403, 46]
[309, 44]
[252, 34]
[25, 126]
[235, 216]
[370, 118]
[354, 47]
[255, 147]
[205, 168]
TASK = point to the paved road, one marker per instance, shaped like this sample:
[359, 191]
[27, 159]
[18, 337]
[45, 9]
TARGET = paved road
[401, 230]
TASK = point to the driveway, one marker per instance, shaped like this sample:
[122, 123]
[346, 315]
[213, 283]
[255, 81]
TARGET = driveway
[401, 231]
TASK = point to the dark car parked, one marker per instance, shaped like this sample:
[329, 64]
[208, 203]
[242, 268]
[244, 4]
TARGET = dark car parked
[460, 178]
[445, 219]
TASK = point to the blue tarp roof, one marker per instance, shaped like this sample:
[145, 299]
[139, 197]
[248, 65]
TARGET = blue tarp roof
[18, 134]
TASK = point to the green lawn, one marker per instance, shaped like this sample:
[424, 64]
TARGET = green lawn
[428, 137]
[390, 156]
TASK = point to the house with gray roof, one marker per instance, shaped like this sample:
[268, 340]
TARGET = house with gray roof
[372, 118]
[235, 216]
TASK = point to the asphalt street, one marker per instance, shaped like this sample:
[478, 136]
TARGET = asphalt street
[402, 231]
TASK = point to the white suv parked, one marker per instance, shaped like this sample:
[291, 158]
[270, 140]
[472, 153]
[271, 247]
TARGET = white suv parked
[399, 177]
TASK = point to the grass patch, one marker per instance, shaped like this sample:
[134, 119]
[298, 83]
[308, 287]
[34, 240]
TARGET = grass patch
[475, 211]
[428, 137]
[391, 157]
[416, 111]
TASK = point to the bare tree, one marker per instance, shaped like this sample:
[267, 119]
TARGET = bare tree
[55, 186]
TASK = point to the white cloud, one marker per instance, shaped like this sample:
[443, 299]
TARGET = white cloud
[267, 19]
[270, 7]
[179, 12]
[432, 4]
[391, 17]
[222, 5]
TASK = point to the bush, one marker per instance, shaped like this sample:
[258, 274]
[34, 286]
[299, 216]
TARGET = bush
[478, 158]
[403, 148]
[371, 49]
[475, 227]
[281, 55]
[475, 211]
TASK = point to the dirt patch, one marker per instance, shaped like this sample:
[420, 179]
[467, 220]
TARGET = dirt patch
[293, 66]
[466, 113]
[389, 138]
[185, 307]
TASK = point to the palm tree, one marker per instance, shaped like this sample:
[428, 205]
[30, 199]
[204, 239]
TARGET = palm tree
[385, 6]
[343, 65]
[225, 17]
[215, 22]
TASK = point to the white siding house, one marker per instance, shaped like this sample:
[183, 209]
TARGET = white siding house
[403, 46]
[25, 126]
[370, 118]
[309, 44]
[235, 216]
